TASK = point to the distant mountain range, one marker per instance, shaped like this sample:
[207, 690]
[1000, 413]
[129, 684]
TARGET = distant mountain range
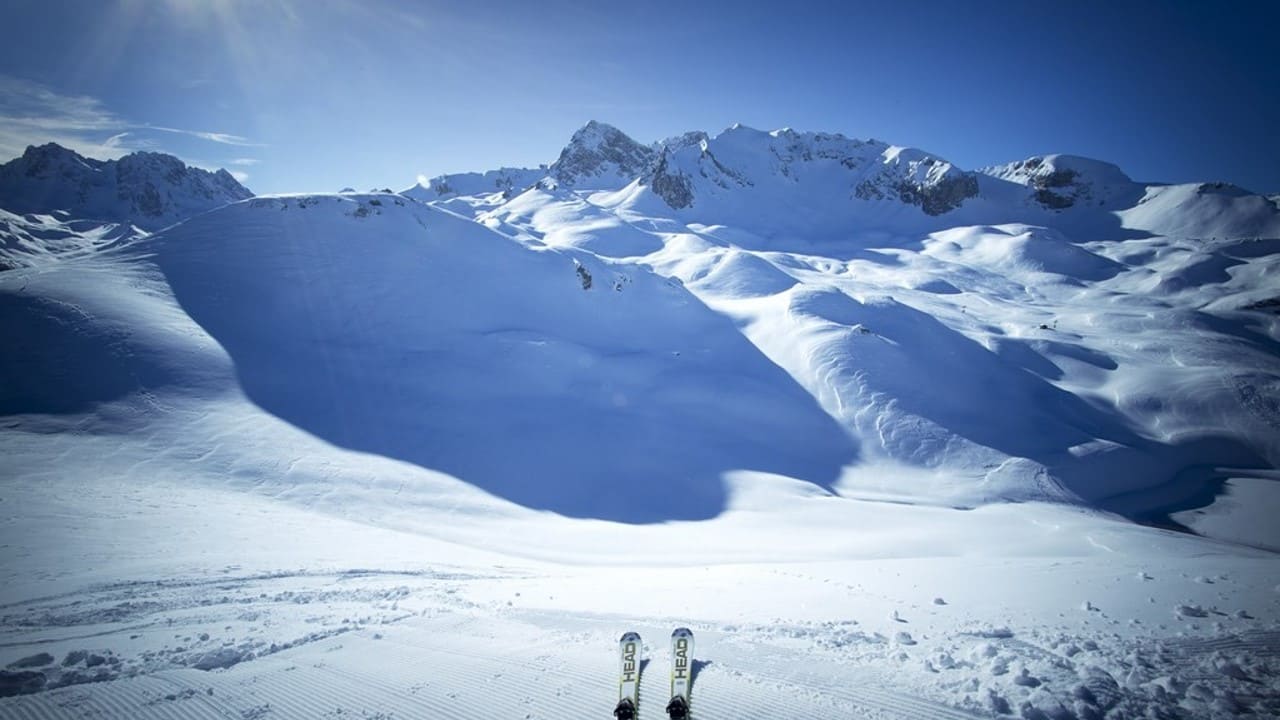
[146, 189]
[836, 182]
[826, 184]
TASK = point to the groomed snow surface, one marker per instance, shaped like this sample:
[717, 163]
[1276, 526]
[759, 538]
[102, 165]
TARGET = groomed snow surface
[363, 456]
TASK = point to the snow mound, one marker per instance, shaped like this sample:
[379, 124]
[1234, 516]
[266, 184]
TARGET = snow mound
[1017, 248]
[744, 274]
[875, 360]
[564, 220]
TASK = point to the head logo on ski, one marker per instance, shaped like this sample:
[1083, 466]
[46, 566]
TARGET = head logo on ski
[681, 673]
[629, 648]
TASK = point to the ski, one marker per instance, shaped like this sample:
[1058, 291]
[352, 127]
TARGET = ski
[681, 673]
[628, 677]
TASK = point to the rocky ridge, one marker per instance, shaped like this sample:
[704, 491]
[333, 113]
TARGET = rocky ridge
[146, 189]
[601, 157]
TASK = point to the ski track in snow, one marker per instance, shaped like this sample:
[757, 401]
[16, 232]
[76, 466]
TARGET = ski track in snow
[453, 663]
[397, 644]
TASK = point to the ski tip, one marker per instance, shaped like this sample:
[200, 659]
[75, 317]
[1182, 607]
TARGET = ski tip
[682, 632]
[630, 637]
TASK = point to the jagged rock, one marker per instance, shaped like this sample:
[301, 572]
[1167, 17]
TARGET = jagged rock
[778, 165]
[693, 138]
[673, 187]
[1058, 182]
[940, 196]
[600, 154]
[680, 169]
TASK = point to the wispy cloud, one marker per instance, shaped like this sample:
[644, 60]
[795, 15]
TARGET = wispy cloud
[34, 114]
[115, 140]
[129, 141]
[224, 138]
[243, 161]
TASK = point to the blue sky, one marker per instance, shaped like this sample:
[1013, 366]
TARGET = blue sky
[315, 95]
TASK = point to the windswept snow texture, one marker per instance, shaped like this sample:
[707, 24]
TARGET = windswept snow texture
[895, 439]
[31, 239]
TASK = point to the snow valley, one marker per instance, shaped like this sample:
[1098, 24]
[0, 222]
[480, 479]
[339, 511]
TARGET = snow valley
[894, 438]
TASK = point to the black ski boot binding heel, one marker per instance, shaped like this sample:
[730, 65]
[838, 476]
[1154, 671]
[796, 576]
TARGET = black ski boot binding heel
[678, 709]
[625, 710]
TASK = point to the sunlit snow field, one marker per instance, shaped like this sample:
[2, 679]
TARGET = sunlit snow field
[366, 455]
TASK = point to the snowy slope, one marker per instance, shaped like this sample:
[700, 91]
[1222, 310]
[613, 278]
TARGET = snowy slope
[428, 454]
[149, 190]
[447, 335]
[1205, 210]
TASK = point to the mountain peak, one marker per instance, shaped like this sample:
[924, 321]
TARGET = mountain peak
[38, 160]
[148, 189]
[596, 126]
[596, 134]
[600, 154]
[1060, 181]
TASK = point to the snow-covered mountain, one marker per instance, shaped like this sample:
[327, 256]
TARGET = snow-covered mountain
[145, 189]
[786, 185]
[896, 439]
[598, 156]
[601, 156]
[742, 164]
[1058, 182]
[737, 169]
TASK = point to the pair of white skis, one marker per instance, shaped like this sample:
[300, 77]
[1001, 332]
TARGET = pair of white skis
[629, 651]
